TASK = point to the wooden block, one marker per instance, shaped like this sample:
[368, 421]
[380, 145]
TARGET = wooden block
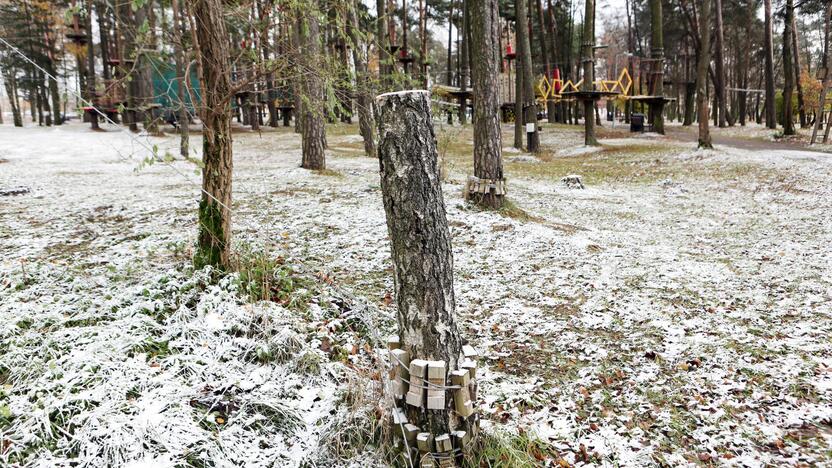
[410, 433]
[460, 377]
[436, 370]
[424, 440]
[461, 439]
[462, 396]
[469, 352]
[400, 374]
[443, 443]
[470, 366]
[416, 393]
[399, 416]
[393, 343]
[436, 376]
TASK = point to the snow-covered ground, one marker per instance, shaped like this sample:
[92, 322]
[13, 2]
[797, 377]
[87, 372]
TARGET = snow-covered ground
[676, 312]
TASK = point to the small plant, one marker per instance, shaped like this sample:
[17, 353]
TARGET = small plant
[308, 363]
[263, 278]
[503, 449]
[447, 135]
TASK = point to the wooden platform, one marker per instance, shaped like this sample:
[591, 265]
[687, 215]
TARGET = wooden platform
[589, 95]
[651, 99]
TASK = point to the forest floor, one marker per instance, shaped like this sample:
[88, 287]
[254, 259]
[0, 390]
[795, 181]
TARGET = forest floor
[675, 312]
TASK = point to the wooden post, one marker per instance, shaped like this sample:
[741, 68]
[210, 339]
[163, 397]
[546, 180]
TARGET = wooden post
[420, 245]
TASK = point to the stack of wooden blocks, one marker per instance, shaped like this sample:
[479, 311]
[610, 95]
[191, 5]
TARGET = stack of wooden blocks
[423, 385]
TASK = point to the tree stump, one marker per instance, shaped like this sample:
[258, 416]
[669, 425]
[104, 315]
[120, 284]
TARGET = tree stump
[423, 264]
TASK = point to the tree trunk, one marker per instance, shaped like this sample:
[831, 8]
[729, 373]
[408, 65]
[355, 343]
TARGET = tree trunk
[719, 58]
[125, 18]
[366, 122]
[488, 163]
[524, 59]
[420, 242]
[213, 244]
[11, 92]
[589, 72]
[104, 35]
[312, 128]
[553, 108]
[702, 74]
[382, 42]
[771, 117]
[464, 73]
[827, 76]
[788, 71]
[547, 66]
[179, 56]
[518, 103]
[657, 54]
[91, 68]
[801, 106]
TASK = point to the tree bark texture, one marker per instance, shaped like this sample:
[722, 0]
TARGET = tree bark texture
[771, 117]
[313, 130]
[589, 72]
[719, 48]
[419, 238]
[702, 74]
[801, 103]
[366, 120]
[488, 163]
[657, 53]
[178, 49]
[91, 67]
[827, 77]
[524, 59]
[788, 71]
[213, 247]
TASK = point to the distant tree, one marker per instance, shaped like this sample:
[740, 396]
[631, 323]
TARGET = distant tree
[702, 74]
[528, 106]
[788, 71]
[771, 116]
[488, 163]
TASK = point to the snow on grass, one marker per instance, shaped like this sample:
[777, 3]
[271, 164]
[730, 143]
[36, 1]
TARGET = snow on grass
[675, 312]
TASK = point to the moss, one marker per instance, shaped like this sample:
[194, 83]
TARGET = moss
[211, 237]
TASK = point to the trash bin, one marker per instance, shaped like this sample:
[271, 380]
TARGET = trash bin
[637, 123]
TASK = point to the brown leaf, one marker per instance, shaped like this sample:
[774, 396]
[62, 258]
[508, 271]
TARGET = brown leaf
[704, 457]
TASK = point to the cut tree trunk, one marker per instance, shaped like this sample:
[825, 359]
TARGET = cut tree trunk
[488, 164]
[420, 241]
[702, 75]
[213, 244]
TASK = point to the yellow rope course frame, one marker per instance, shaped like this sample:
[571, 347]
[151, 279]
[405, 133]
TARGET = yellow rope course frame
[552, 89]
